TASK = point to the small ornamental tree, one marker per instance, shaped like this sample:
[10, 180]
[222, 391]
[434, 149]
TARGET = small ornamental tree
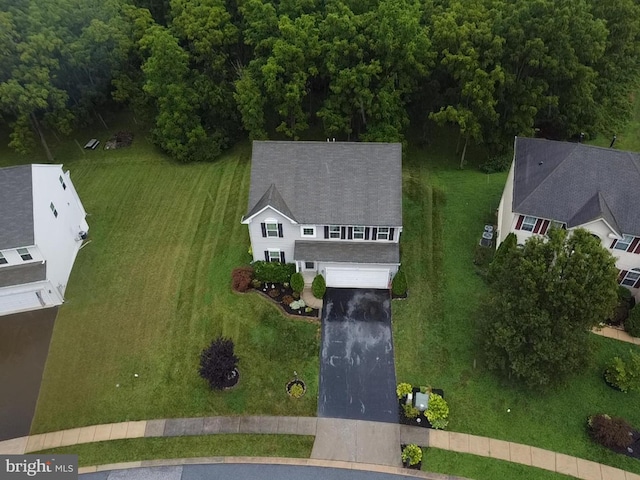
[217, 363]
[319, 286]
[544, 300]
[241, 278]
[297, 282]
[611, 432]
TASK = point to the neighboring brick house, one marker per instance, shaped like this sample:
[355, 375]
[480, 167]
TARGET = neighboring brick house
[333, 208]
[573, 185]
[43, 227]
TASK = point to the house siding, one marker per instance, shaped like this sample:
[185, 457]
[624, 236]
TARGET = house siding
[506, 218]
[290, 233]
[19, 274]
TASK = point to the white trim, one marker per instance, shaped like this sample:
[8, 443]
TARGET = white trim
[619, 241]
[307, 227]
[353, 232]
[339, 232]
[248, 220]
[271, 221]
[387, 233]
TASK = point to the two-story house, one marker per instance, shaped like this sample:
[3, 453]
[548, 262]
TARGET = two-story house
[572, 185]
[42, 227]
[333, 208]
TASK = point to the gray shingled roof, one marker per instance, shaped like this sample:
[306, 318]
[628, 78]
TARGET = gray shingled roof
[344, 183]
[576, 183]
[16, 207]
[19, 274]
[273, 198]
[325, 251]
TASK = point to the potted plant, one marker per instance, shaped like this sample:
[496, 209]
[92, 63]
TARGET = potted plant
[296, 388]
[412, 456]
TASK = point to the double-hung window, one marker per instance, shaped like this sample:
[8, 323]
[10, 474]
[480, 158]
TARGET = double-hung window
[272, 229]
[334, 231]
[624, 243]
[3, 261]
[358, 233]
[528, 223]
[24, 254]
[309, 232]
[383, 233]
[631, 278]
[274, 255]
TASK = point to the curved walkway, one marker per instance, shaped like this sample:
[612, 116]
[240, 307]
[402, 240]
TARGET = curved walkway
[457, 442]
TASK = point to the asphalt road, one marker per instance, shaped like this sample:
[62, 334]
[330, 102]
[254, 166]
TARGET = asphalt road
[357, 370]
[24, 345]
[228, 471]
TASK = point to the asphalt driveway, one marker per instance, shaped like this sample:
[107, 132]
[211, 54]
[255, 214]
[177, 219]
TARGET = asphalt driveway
[357, 370]
[24, 344]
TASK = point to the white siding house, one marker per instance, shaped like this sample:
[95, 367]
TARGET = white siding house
[572, 185]
[332, 208]
[43, 229]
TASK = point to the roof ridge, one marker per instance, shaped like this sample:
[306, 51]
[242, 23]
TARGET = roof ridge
[550, 174]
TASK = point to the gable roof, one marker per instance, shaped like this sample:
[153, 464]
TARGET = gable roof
[318, 183]
[271, 198]
[576, 183]
[16, 207]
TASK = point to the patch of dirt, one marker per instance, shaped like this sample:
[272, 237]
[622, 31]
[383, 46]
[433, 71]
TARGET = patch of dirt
[120, 140]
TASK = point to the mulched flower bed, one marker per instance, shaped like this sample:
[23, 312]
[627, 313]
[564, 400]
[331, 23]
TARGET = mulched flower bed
[277, 292]
[633, 450]
[421, 419]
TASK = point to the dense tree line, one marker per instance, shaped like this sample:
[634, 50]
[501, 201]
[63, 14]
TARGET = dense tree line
[204, 71]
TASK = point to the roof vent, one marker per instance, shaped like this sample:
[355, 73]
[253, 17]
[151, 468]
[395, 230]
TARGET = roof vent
[540, 163]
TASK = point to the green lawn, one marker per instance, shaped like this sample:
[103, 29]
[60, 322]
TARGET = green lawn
[481, 468]
[629, 137]
[117, 451]
[152, 288]
[434, 330]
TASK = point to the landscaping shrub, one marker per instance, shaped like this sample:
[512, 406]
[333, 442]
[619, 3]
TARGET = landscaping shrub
[287, 299]
[273, 272]
[241, 278]
[403, 389]
[624, 375]
[632, 324]
[319, 286]
[217, 363]
[297, 282]
[611, 432]
[297, 305]
[399, 284]
[412, 454]
[410, 411]
[497, 163]
[273, 293]
[625, 304]
[438, 411]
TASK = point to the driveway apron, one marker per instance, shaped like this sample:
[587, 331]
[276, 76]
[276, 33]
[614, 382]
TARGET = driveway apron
[357, 370]
[24, 345]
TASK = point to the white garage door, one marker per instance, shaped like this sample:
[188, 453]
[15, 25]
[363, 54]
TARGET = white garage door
[19, 302]
[357, 277]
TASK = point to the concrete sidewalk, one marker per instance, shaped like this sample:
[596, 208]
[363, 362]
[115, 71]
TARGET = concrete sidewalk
[328, 433]
[617, 334]
[357, 441]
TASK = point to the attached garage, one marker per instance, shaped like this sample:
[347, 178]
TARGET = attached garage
[357, 277]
